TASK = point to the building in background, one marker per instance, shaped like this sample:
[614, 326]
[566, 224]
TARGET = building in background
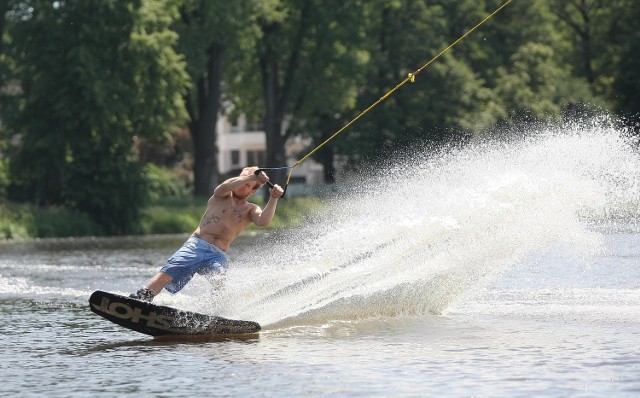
[241, 143]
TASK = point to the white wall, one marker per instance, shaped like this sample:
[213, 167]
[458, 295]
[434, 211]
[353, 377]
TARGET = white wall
[230, 138]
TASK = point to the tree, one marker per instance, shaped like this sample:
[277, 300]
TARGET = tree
[627, 75]
[332, 70]
[525, 66]
[442, 101]
[4, 7]
[95, 74]
[594, 27]
[4, 74]
[300, 44]
[535, 87]
[213, 35]
[279, 53]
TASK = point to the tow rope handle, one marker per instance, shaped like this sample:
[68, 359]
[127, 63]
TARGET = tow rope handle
[269, 183]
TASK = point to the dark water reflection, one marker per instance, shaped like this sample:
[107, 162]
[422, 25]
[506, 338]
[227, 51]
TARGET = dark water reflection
[90, 243]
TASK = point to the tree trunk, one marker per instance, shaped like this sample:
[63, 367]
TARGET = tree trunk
[4, 7]
[325, 155]
[274, 107]
[203, 129]
[273, 101]
[276, 87]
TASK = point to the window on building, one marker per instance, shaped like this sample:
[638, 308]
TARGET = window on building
[234, 120]
[254, 123]
[256, 158]
[255, 126]
[235, 158]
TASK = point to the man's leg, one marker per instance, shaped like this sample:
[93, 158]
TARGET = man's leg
[153, 287]
[159, 281]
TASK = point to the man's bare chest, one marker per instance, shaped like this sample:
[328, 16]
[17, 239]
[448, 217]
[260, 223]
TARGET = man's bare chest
[226, 216]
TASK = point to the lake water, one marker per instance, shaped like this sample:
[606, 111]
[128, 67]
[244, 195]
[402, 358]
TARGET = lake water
[508, 269]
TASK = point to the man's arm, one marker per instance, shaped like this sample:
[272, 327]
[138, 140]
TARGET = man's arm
[233, 183]
[263, 217]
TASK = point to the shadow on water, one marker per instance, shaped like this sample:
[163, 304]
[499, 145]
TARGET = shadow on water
[171, 341]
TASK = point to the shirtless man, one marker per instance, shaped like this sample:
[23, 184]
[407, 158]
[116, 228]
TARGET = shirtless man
[228, 213]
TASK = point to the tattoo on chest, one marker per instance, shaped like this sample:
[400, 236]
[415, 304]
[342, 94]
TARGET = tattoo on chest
[239, 212]
[210, 219]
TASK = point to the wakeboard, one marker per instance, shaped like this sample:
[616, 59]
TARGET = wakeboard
[160, 321]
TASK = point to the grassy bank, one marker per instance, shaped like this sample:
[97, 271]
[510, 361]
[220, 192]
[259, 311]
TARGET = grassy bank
[163, 216]
[20, 221]
[181, 215]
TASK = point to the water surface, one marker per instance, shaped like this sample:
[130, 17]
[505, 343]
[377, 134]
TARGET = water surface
[497, 270]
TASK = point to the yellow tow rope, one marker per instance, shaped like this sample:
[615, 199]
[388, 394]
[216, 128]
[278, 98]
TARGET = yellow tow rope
[410, 78]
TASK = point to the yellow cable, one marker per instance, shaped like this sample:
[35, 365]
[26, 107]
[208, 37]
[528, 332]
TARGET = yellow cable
[410, 78]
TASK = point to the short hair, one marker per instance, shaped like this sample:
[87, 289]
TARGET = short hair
[247, 171]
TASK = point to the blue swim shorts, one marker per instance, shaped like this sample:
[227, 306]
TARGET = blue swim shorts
[195, 256]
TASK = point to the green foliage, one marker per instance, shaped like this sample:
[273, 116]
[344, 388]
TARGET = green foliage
[506, 71]
[163, 183]
[533, 87]
[158, 221]
[168, 215]
[448, 96]
[94, 74]
[172, 214]
[25, 221]
[4, 172]
[626, 83]
[182, 214]
[57, 222]
[293, 212]
[13, 224]
[309, 54]
[213, 37]
[80, 80]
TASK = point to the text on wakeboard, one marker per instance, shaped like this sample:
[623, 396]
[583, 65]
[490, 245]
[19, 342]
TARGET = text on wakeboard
[125, 311]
